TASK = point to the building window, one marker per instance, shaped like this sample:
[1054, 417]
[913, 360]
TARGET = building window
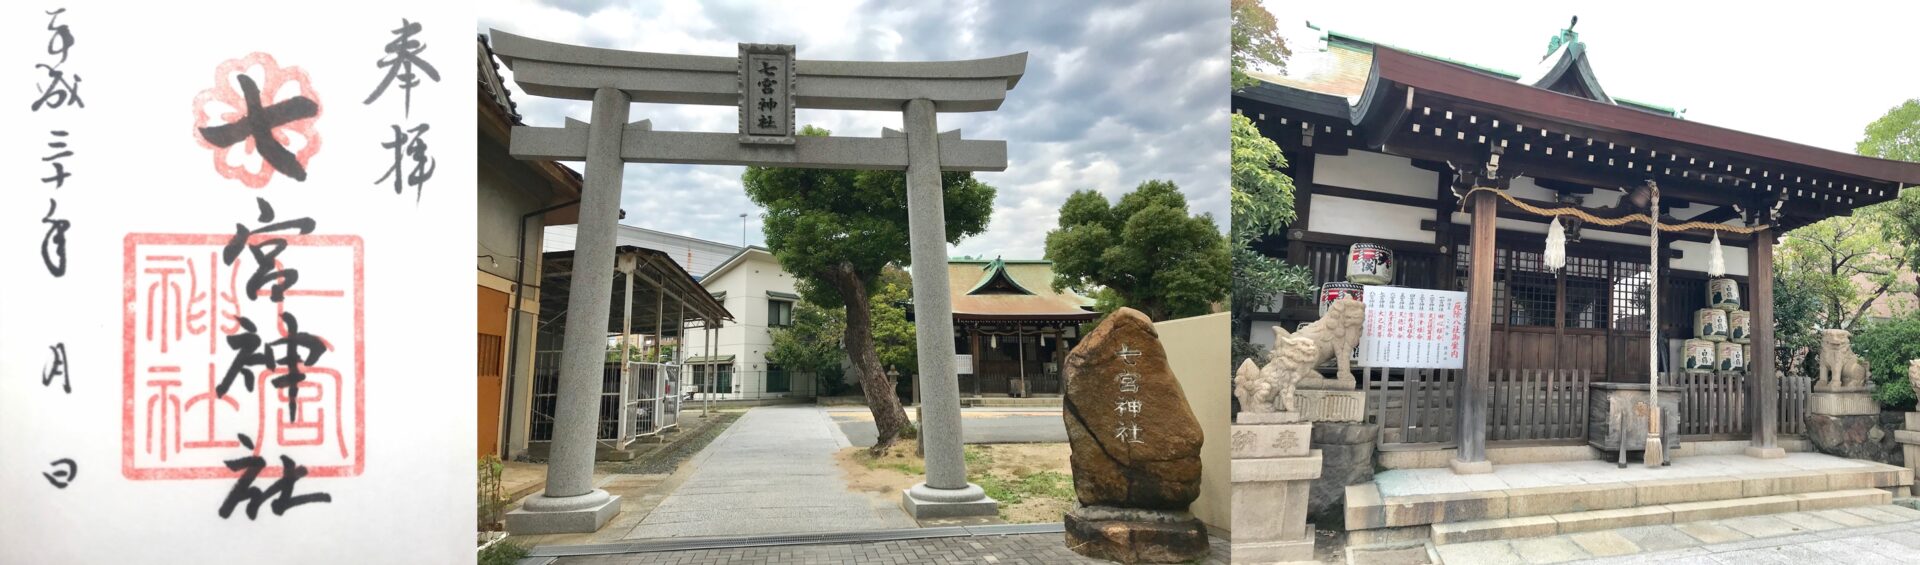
[779, 313]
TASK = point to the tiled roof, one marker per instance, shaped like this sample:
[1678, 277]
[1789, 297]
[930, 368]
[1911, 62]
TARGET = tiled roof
[965, 277]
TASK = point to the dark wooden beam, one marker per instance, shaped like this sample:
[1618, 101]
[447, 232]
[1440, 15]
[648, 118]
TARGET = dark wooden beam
[1763, 385]
[1471, 423]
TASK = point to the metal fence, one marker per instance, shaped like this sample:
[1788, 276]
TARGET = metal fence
[641, 401]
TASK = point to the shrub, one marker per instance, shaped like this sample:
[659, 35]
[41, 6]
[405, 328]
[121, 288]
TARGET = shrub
[1887, 346]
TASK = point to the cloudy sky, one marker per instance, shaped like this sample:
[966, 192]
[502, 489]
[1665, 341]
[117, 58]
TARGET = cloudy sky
[1812, 73]
[1115, 93]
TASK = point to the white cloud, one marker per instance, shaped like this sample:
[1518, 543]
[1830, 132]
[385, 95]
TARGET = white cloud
[1116, 93]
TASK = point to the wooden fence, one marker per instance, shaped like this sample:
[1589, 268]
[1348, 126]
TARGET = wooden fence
[1538, 405]
[1416, 408]
[1712, 405]
[1793, 404]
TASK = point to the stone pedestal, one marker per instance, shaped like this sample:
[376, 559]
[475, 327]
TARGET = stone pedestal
[1331, 405]
[1347, 455]
[1842, 403]
[1274, 466]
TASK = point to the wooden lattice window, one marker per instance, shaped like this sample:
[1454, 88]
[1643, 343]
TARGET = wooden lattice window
[1629, 296]
[492, 358]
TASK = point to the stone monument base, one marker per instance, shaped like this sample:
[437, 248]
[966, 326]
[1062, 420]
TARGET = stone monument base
[570, 515]
[923, 502]
[1132, 535]
[1842, 404]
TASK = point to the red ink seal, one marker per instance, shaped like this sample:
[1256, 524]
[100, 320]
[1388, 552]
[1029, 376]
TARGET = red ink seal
[254, 96]
[182, 301]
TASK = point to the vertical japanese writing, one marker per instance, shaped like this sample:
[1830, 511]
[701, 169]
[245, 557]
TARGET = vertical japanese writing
[60, 90]
[407, 143]
[1128, 406]
[270, 120]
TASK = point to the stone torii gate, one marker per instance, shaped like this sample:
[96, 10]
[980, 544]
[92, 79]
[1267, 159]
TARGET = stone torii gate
[766, 83]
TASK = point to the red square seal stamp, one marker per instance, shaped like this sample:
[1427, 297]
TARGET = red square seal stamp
[182, 304]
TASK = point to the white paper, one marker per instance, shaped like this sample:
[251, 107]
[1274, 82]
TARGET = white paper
[1414, 328]
[389, 424]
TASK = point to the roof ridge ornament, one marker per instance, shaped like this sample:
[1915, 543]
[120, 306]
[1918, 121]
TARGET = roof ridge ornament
[1566, 36]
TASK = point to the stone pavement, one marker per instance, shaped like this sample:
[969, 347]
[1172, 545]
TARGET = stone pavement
[772, 472]
[1408, 482]
[1869, 535]
[1023, 549]
[981, 425]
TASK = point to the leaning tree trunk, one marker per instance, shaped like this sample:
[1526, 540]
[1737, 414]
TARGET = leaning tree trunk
[888, 416]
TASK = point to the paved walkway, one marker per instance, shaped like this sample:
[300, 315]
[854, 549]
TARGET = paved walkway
[1871, 535]
[982, 425]
[772, 472]
[1025, 549]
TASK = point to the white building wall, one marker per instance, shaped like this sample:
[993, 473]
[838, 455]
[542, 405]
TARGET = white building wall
[748, 338]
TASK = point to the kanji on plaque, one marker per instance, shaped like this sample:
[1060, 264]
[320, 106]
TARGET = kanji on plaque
[186, 308]
[1415, 328]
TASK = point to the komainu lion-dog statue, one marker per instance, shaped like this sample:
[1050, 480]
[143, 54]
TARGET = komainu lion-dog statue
[1334, 335]
[1840, 368]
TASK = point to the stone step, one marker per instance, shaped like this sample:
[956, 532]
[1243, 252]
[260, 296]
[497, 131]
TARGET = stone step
[1366, 509]
[1676, 513]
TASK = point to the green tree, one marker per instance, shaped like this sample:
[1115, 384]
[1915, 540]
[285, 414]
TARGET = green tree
[1826, 258]
[1262, 203]
[1895, 135]
[893, 335]
[1254, 39]
[812, 343]
[1796, 316]
[1145, 250]
[835, 230]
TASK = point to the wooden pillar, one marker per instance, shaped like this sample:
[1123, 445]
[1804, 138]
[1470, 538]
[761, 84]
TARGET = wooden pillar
[1471, 425]
[1763, 393]
[973, 337]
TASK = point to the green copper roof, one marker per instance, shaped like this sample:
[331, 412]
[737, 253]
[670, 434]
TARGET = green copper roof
[1565, 35]
[998, 269]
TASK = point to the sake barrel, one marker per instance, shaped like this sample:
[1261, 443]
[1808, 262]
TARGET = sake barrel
[1700, 356]
[1369, 263]
[1337, 290]
[1730, 356]
[1710, 324]
[1739, 326]
[1723, 294]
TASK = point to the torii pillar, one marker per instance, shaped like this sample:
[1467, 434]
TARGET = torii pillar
[766, 84]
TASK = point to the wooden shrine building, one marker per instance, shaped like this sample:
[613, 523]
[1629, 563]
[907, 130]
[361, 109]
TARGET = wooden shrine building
[1011, 329]
[1459, 169]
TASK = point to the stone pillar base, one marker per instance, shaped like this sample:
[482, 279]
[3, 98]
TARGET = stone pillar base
[1470, 467]
[1758, 452]
[1842, 404]
[924, 502]
[571, 515]
[1132, 535]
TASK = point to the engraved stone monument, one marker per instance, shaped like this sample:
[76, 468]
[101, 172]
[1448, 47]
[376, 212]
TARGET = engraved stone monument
[1136, 448]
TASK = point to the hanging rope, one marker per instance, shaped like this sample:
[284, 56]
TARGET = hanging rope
[1623, 220]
